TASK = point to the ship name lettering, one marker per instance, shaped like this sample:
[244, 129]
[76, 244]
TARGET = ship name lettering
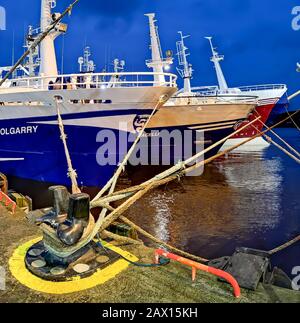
[18, 130]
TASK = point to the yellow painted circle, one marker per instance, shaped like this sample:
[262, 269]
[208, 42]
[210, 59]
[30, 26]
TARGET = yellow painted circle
[26, 278]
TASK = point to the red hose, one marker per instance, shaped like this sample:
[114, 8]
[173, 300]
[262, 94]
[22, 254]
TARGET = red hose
[197, 266]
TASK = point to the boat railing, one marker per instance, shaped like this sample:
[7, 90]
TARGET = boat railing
[238, 98]
[205, 90]
[197, 98]
[262, 87]
[94, 80]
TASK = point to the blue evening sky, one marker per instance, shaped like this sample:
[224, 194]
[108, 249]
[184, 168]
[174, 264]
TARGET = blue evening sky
[256, 37]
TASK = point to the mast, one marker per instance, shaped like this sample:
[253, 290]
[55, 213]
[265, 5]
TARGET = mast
[216, 59]
[48, 65]
[157, 63]
[187, 72]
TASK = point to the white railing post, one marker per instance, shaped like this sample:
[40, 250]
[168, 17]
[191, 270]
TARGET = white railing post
[88, 81]
[73, 82]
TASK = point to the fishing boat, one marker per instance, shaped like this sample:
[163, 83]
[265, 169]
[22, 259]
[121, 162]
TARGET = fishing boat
[94, 107]
[208, 117]
[272, 100]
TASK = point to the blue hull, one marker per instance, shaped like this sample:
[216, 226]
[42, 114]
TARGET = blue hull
[280, 108]
[43, 155]
[41, 148]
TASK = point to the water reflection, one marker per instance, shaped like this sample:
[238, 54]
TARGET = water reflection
[245, 199]
[161, 202]
[236, 200]
[259, 189]
[188, 208]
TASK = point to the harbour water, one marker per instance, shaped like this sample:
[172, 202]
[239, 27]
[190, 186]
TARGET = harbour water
[247, 199]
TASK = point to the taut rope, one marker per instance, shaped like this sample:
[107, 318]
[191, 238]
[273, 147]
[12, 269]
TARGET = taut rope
[271, 141]
[284, 246]
[111, 185]
[294, 122]
[281, 139]
[71, 171]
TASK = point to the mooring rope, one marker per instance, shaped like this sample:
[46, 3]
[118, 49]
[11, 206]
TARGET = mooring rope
[113, 216]
[173, 170]
[162, 243]
[121, 209]
[72, 174]
[294, 122]
[281, 139]
[128, 192]
[111, 185]
[285, 246]
[271, 141]
[112, 182]
[134, 195]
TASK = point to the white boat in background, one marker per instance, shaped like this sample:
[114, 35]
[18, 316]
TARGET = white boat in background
[211, 117]
[272, 99]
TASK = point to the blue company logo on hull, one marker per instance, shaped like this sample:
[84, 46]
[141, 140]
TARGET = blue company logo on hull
[18, 130]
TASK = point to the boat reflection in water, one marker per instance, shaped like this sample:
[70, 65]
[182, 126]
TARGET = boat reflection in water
[239, 201]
